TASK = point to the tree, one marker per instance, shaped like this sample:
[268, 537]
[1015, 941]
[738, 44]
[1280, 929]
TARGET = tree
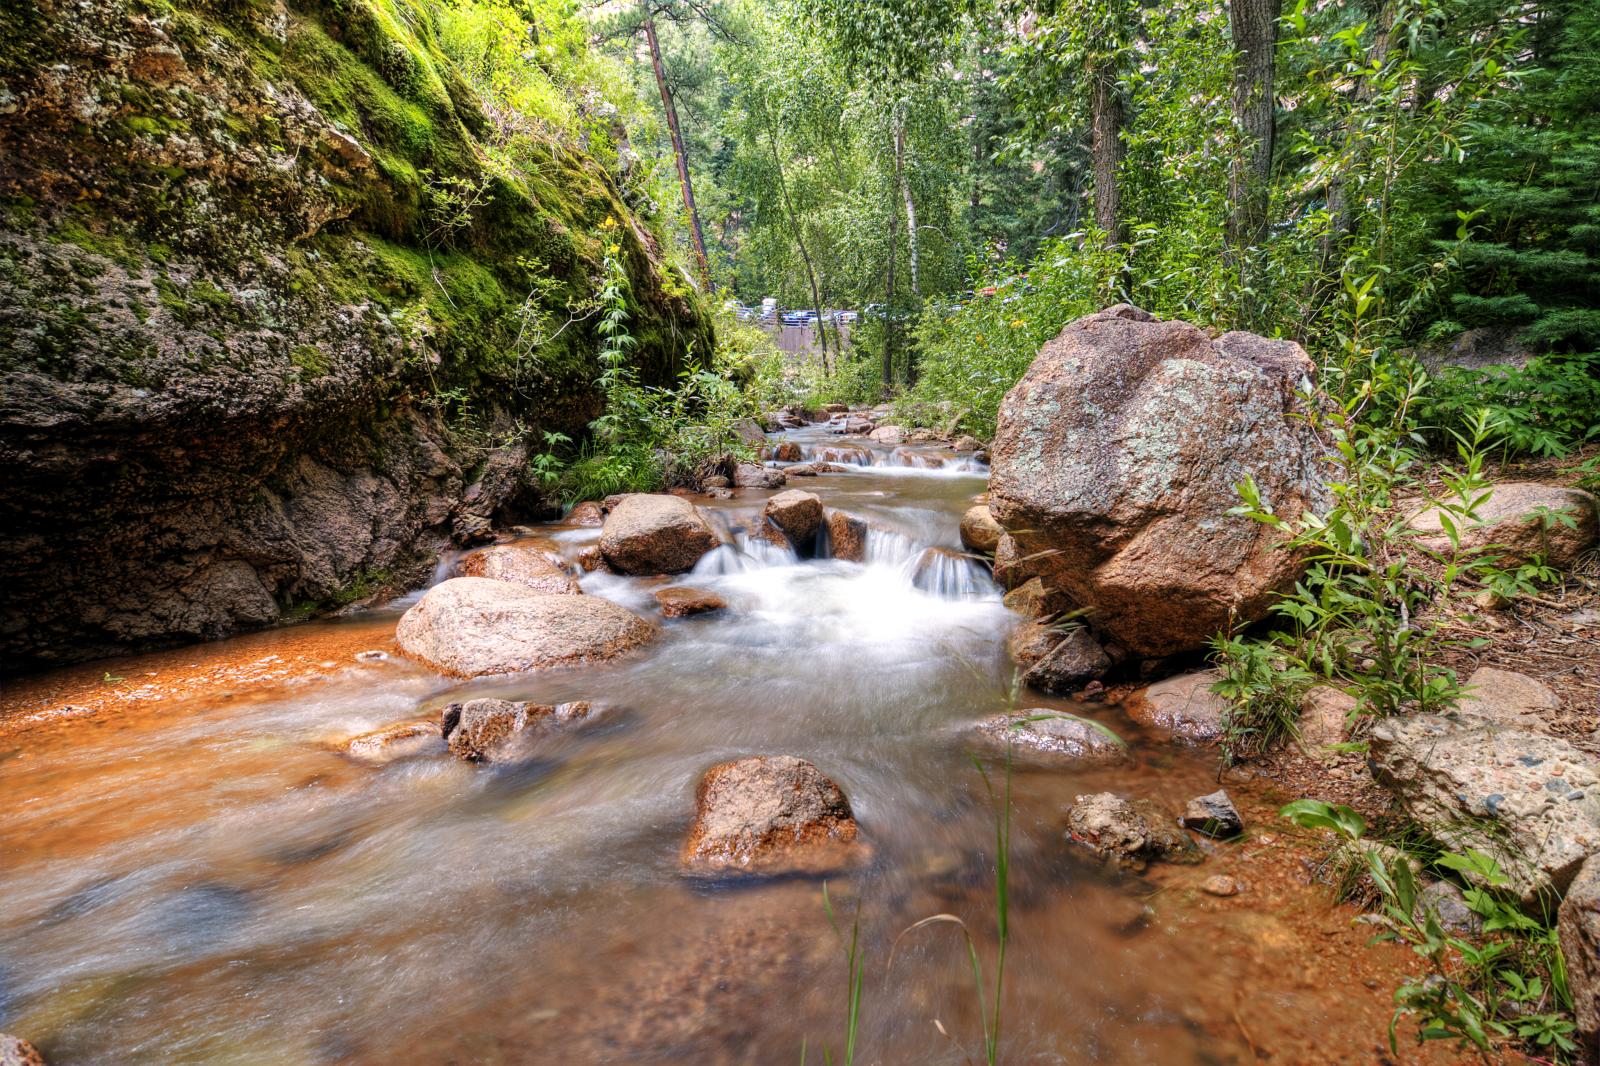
[670, 108]
[1254, 26]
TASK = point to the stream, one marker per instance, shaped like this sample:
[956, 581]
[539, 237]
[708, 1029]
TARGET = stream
[202, 876]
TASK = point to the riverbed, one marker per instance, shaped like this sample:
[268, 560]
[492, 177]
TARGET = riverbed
[194, 871]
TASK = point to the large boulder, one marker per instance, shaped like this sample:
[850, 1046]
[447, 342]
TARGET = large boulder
[769, 814]
[1521, 520]
[1530, 800]
[847, 536]
[1116, 462]
[498, 731]
[1039, 734]
[1579, 928]
[1183, 706]
[470, 626]
[651, 534]
[529, 567]
[798, 513]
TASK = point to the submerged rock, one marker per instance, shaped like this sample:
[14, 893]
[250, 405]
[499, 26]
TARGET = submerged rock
[470, 626]
[495, 731]
[1529, 800]
[798, 513]
[680, 602]
[771, 815]
[1128, 832]
[1116, 461]
[979, 531]
[1183, 705]
[1512, 524]
[15, 1051]
[395, 742]
[655, 534]
[529, 567]
[1214, 815]
[1039, 734]
[1578, 925]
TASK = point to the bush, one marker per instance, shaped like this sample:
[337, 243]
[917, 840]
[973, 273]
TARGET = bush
[1546, 408]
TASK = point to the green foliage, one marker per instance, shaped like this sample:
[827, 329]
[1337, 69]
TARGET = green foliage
[1264, 688]
[1547, 408]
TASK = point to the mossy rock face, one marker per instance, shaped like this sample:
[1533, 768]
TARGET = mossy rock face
[253, 349]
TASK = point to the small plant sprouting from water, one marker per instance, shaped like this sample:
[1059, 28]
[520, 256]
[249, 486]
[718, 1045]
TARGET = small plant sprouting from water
[856, 961]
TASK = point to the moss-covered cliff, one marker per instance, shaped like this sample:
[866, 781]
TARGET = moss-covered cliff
[282, 304]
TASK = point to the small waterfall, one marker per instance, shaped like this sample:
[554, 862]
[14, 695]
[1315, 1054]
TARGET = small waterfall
[740, 553]
[901, 458]
[952, 575]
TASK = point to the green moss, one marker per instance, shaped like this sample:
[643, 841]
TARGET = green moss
[309, 358]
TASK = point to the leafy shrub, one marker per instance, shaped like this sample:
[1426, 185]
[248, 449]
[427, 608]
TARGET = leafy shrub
[1546, 408]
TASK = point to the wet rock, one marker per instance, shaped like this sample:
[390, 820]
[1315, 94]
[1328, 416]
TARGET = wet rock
[587, 513]
[1214, 815]
[749, 432]
[812, 469]
[714, 482]
[1011, 567]
[1509, 698]
[498, 731]
[393, 743]
[1075, 660]
[655, 534]
[1578, 925]
[593, 560]
[1129, 832]
[967, 443]
[916, 460]
[771, 815]
[1324, 719]
[529, 567]
[470, 626]
[1035, 602]
[1513, 523]
[787, 451]
[888, 435]
[1119, 453]
[848, 454]
[610, 503]
[922, 435]
[1529, 800]
[855, 426]
[1183, 705]
[1449, 905]
[847, 536]
[756, 476]
[834, 408]
[1220, 885]
[798, 513]
[979, 531]
[680, 602]
[15, 1051]
[1039, 734]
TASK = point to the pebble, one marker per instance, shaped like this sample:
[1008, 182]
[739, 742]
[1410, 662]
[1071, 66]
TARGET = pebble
[1220, 885]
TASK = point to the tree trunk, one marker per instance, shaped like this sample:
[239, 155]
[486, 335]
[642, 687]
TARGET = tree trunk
[888, 297]
[679, 153]
[799, 238]
[1341, 217]
[1105, 146]
[1255, 37]
[911, 209]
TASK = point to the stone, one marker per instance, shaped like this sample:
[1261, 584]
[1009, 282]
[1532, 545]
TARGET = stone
[1115, 464]
[1128, 832]
[501, 731]
[656, 534]
[1449, 907]
[1511, 525]
[769, 815]
[1039, 734]
[1325, 716]
[471, 626]
[1034, 602]
[1214, 815]
[916, 460]
[1578, 926]
[847, 536]
[529, 567]
[967, 443]
[812, 469]
[787, 452]
[714, 482]
[1012, 568]
[15, 1051]
[587, 513]
[680, 602]
[798, 513]
[1509, 698]
[395, 742]
[834, 408]
[1075, 660]
[1220, 885]
[756, 476]
[749, 432]
[1529, 800]
[888, 435]
[1183, 705]
[593, 560]
[979, 531]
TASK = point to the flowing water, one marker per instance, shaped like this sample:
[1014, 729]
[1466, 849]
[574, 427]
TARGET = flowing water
[203, 876]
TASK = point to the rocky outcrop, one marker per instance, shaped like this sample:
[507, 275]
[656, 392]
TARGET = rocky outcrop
[769, 814]
[1116, 462]
[529, 567]
[503, 731]
[1127, 832]
[647, 534]
[798, 513]
[1039, 734]
[1183, 706]
[1520, 521]
[1529, 800]
[1578, 924]
[681, 602]
[471, 626]
[237, 388]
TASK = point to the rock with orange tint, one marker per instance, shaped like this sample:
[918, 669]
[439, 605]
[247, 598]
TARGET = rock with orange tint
[497, 731]
[1128, 832]
[655, 534]
[1521, 521]
[395, 742]
[798, 513]
[979, 531]
[587, 513]
[680, 602]
[769, 815]
[1116, 462]
[1183, 706]
[531, 567]
[15, 1051]
[471, 626]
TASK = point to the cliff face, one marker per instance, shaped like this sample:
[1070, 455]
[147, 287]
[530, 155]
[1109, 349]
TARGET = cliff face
[283, 306]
